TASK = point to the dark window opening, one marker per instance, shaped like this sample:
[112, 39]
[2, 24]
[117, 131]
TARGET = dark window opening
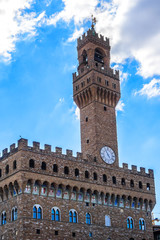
[98, 56]
[76, 172]
[82, 84]
[140, 185]
[88, 80]
[95, 176]
[7, 169]
[114, 85]
[55, 168]
[114, 180]
[148, 186]
[66, 170]
[93, 204]
[104, 178]
[43, 166]
[0, 172]
[31, 163]
[123, 182]
[86, 119]
[106, 82]
[95, 159]
[86, 174]
[14, 164]
[105, 108]
[77, 87]
[132, 183]
[73, 234]
[87, 204]
[56, 232]
[85, 59]
[87, 140]
[38, 231]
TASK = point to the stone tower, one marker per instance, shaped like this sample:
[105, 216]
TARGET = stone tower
[96, 91]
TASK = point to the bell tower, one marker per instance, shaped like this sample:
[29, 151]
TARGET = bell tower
[96, 91]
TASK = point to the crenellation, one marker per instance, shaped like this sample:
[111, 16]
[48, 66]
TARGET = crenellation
[36, 145]
[69, 153]
[22, 143]
[142, 170]
[151, 173]
[79, 156]
[134, 168]
[12, 147]
[47, 148]
[58, 150]
[4, 152]
[125, 166]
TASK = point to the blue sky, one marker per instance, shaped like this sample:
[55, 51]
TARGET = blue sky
[38, 56]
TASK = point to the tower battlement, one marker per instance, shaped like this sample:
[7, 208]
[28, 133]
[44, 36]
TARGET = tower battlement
[92, 36]
[105, 70]
[23, 145]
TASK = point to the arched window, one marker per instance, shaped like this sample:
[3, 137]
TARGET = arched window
[104, 178]
[142, 224]
[37, 211]
[14, 164]
[123, 182]
[72, 216]
[114, 180]
[85, 59]
[140, 185]
[66, 170]
[55, 168]
[107, 221]
[131, 183]
[43, 166]
[76, 172]
[148, 186]
[88, 218]
[7, 169]
[31, 163]
[95, 176]
[130, 223]
[55, 214]
[14, 214]
[86, 174]
[98, 56]
[3, 218]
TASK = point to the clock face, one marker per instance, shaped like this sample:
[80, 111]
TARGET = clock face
[107, 154]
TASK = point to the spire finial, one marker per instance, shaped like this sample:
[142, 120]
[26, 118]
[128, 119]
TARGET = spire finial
[93, 21]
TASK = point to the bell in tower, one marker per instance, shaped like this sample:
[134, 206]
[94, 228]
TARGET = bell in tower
[96, 90]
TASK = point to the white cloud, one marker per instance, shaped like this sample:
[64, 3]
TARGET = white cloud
[151, 89]
[120, 106]
[77, 113]
[76, 34]
[14, 23]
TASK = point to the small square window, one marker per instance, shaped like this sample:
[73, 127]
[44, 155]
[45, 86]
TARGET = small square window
[56, 233]
[73, 234]
[38, 231]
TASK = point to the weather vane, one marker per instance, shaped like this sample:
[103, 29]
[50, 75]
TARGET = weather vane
[93, 21]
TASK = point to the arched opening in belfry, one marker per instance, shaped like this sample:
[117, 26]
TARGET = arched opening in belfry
[85, 58]
[99, 55]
